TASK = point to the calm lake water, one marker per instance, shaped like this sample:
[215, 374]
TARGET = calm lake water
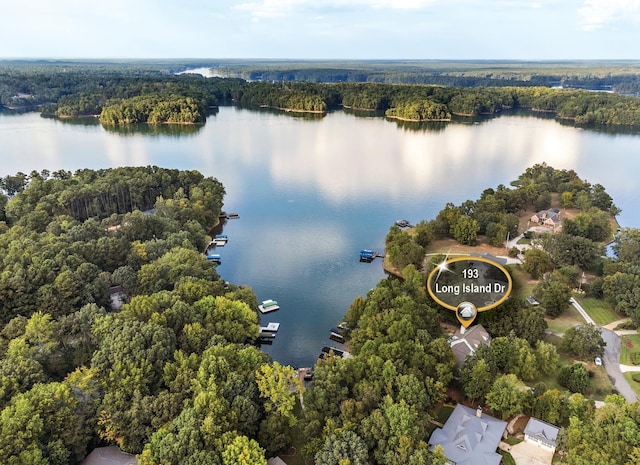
[312, 192]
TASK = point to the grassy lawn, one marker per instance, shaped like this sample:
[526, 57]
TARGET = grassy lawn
[630, 345]
[599, 384]
[634, 385]
[568, 319]
[522, 283]
[599, 310]
[507, 459]
[293, 456]
[513, 441]
[444, 413]
[524, 241]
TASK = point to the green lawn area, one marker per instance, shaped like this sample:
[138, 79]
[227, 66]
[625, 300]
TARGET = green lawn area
[598, 309]
[293, 456]
[522, 283]
[568, 319]
[599, 385]
[634, 385]
[630, 345]
[444, 413]
[513, 441]
[507, 459]
[524, 241]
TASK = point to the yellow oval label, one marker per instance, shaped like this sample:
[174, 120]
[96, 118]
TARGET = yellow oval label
[468, 285]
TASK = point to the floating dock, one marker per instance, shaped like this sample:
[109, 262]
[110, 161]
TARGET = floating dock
[336, 335]
[305, 374]
[220, 240]
[404, 224]
[214, 257]
[327, 351]
[268, 306]
[269, 331]
[368, 256]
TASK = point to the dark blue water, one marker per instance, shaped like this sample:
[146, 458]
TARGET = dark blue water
[312, 192]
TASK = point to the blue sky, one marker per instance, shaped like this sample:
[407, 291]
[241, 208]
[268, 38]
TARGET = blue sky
[321, 29]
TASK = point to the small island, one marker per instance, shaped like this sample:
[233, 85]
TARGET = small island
[126, 95]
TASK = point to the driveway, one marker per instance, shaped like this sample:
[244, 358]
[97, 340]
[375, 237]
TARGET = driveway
[612, 364]
[581, 311]
[524, 453]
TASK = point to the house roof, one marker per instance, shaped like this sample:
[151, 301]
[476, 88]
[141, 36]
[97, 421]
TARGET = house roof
[542, 431]
[468, 439]
[110, 455]
[466, 344]
[493, 258]
[276, 461]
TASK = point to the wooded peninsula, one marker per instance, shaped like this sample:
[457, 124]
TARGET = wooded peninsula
[174, 377]
[122, 94]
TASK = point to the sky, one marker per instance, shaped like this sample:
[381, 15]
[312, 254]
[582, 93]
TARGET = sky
[321, 29]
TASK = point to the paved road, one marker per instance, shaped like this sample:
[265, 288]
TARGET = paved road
[611, 356]
[612, 364]
[584, 314]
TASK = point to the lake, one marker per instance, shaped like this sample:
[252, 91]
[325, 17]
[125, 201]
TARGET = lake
[312, 191]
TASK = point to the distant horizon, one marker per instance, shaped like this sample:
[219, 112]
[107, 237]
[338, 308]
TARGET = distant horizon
[317, 60]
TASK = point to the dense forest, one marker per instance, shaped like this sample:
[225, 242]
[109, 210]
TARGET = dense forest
[620, 76]
[125, 95]
[520, 354]
[173, 375]
[170, 375]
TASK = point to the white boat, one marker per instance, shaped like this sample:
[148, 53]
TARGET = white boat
[268, 306]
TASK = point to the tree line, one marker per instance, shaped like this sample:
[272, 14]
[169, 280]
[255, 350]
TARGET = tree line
[130, 95]
[173, 376]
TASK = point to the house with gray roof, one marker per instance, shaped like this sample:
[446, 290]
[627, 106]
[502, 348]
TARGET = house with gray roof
[469, 437]
[541, 434]
[550, 218]
[465, 341]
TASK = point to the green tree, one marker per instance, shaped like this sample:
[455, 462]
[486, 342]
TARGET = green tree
[547, 357]
[537, 262]
[550, 406]
[553, 294]
[466, 230]
[278, 386]
[627, 245]
[623, 290]
[507, 396]
[479, 380]
[243, 451]
[574, 377]
[344, 448]
[584, 341]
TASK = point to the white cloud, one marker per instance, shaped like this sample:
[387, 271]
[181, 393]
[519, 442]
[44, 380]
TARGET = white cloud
[279, 8]
[596, 13]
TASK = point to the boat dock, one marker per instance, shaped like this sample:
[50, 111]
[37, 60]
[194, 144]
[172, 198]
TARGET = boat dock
[328, 351]
[214, 257]
[336, 335]
[368, 256]
[228, 216]
[268, 306]
[220, 240]
[305, 374]
[269, 331]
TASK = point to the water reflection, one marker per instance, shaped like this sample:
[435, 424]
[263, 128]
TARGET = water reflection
[422, 126]
[144, 129]
[346, 159]
[312, 192]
